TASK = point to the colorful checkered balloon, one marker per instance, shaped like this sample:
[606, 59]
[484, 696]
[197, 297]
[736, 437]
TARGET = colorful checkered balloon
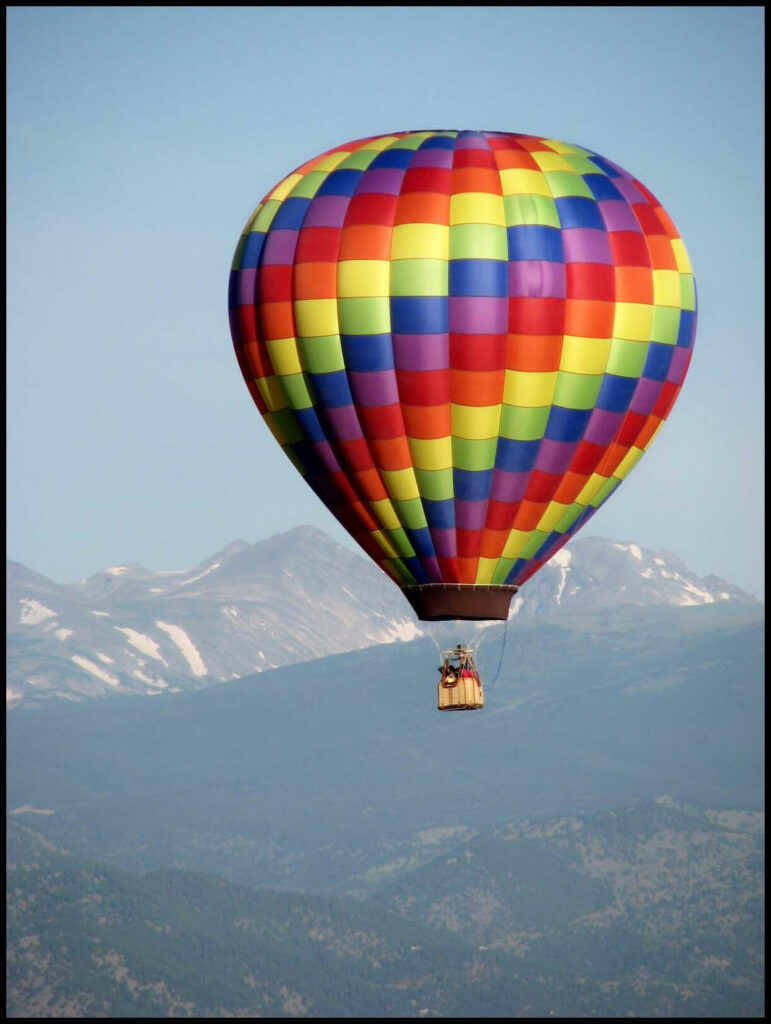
[464, 341]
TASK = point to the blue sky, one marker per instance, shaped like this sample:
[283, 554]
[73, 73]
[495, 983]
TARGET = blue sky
[139, 141]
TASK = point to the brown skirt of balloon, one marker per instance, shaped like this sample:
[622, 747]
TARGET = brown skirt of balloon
[460, 688]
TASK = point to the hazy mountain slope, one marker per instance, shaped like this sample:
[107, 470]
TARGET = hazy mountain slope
[649, 910]
[340, 772]
[292, 598]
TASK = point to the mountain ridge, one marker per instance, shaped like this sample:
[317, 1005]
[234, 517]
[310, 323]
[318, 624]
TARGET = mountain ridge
[290, 598]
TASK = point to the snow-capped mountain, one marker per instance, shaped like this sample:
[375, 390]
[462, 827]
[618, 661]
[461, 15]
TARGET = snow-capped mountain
[295, 597]
[591, 573]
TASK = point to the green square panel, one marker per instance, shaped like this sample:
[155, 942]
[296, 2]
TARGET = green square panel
[286, 422]
[411, 514]
[478, 242]
[264, 217]
[474, 455]
[364, 316]
[577, 390]
[521, 424]
[627, 358]
[604, 492]
[435, 484]
[581, 163]
[666, 325]
[569, 517]
[565, 183]
[401, 542]
[322, 355]
[419, 277]
[502, 570]
[524, 209]
[687, 292]
[298, 391]
[309, 185]
[358, 161]
[536, 539]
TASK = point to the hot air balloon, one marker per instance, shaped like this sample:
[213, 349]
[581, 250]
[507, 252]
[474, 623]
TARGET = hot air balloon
[464, 341]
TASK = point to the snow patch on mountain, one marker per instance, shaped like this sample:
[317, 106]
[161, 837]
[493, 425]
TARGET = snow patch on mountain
[89, 666]
[200, 575]
[142, 643]
[33, 612]
[187, 647]
[292, 598]
[562, 561]
[117, 570]
[633, 550]
[405, 631]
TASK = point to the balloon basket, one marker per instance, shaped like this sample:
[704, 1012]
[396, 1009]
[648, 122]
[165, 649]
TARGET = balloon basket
[460, 688]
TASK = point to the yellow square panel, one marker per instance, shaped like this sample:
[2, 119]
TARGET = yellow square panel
[400, 484]
[666, 288]
[485, 569]
[316, 318]
[681, 256]
[385, 544]
[517, 181]
[431, 453]
[384, 510]
[475, 422]
[590, 488]
[476, 208]
[529, 390]
[381, 144]
[420, 241]
[551, 162]
[554, 512]
[282, 190]
[515, 543]
[284, 356]
[272, 392]
[365, 278]
[275, 428]
[630, 460]
[562, 147]
[585, 355]
[330, 162]
[633, 321]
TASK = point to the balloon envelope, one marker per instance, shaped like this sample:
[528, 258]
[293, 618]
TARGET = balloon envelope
[464, 341]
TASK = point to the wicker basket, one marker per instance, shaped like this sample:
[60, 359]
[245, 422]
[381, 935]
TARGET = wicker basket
[460, 692]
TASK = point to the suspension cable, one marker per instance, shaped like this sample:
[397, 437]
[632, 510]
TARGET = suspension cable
[494, 680]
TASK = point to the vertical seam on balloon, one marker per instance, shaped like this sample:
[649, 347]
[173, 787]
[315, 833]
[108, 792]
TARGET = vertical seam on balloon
[407, 575]
[505, 360]
[428, 135]
[316, 469]
[318, 409]
[558, 544]
[603, 462]
[396, 560]
[511, 577]
[455, 447]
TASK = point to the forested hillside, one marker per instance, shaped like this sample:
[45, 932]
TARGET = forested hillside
[650, 910]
